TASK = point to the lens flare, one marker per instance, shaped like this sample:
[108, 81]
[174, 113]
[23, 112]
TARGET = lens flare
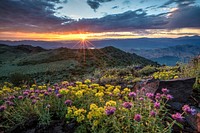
[83, 37]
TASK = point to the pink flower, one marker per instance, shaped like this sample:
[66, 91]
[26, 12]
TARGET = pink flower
[11, 97]
[157, 105]
[169, 97]
[163, 95]
[110, 110]
[34, 101]
[178, 117]
[153, 113]
[20, 97]
[59, 95]
[141, 99]
[137, 117]
[46, 93]
[49, 90]
[25, 93]
[127, 105]
[2, 108]
[32, 97]
[9, 103]
[165, 90]
[188, 110]
[132, 94]
[68, 102]
[150, 95]
[143, 89]
[158, 96]
[37, 91]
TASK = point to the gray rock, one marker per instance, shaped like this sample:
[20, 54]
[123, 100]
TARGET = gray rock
[176, 106]
[180, 89]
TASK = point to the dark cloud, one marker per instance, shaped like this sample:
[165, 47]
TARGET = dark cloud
[185, 17]
[29, 15]
[151, 7]
[39, 16]
[115, 7]
[128, 21]
[180, 3]
[94, 4]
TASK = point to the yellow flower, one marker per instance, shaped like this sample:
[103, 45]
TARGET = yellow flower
[79, 94]
[95, 112]
[6, 89]
[44, 87]
[65, 82]
[94, 85]
[95, 123]
[101, 88]
[116, 91]
[84, 86]
[79, 112]
[87, 81]
[126, 90]
[100, 94]
[110, 88]
[33, 85]
[175, 77]
[17, 88]
[31, 89]
[80, 118]
[111, 103]
[1, 92]
[78, 83]
[70, 87]
[41, 95]
[40, 87]
[63, 91]
[89, 116]
[93, 106]
[107, 85]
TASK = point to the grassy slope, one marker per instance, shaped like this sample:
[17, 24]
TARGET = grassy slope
[32, 60]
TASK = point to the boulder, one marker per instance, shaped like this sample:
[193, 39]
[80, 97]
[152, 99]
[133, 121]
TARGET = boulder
[180, 89]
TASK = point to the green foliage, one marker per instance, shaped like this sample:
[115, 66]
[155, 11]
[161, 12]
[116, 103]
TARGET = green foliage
[88, 104]
[192, 69]
[197, 84]
[147, 70]
[18, 78]
[167, 73]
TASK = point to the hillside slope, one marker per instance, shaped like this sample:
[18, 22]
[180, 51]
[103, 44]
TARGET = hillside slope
[63, 62]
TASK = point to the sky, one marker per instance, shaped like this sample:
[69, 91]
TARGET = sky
[55, 20]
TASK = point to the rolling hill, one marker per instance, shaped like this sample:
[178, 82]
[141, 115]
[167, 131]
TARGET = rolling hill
[62, 63]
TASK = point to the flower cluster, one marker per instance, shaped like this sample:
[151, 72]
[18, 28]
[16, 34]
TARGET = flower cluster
[91, 105]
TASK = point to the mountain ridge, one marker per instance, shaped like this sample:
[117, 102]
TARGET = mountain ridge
[124, 44]
[177, 53]
[63, 63]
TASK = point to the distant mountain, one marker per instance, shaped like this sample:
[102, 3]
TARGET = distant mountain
[63, 62]
[170, 55]
[124, 44]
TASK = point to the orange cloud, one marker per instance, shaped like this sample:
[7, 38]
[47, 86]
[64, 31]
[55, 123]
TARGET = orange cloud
[155, 33]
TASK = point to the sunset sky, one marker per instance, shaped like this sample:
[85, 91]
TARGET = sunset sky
[54, 20]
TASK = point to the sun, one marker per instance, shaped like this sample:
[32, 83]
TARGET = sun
[83, 37]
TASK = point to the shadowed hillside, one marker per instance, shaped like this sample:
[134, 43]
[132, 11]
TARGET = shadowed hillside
[63, 62]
